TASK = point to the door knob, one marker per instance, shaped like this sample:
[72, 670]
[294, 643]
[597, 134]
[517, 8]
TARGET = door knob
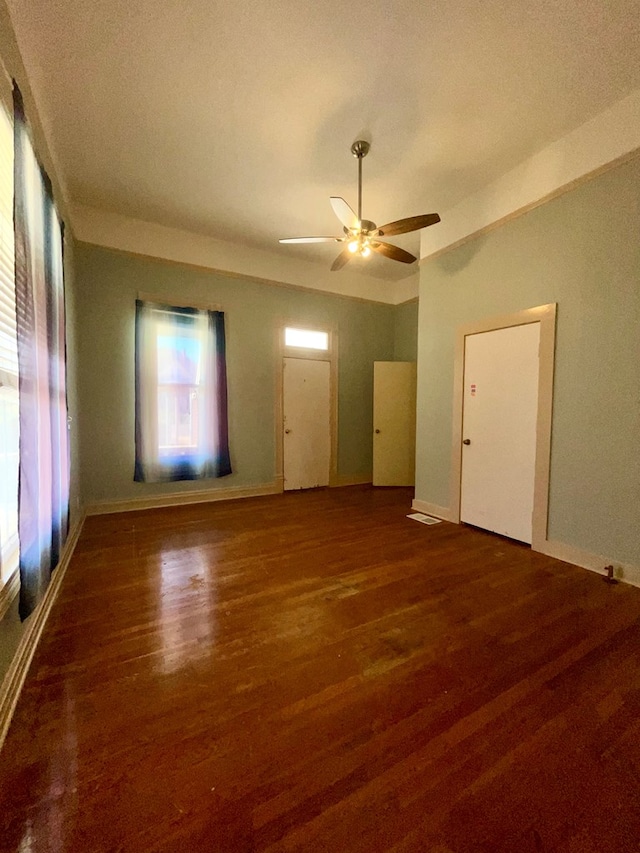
[467, 441]
[287, 431]
[377, 431]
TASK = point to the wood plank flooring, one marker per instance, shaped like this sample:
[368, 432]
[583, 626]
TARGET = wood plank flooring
[316, 672]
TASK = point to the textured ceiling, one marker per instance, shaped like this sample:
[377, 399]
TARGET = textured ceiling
[235, 119]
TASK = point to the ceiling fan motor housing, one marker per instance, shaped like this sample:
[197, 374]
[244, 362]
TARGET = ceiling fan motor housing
[367, 225]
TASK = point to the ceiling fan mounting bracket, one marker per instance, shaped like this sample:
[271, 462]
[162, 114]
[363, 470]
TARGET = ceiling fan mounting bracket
[360, 148]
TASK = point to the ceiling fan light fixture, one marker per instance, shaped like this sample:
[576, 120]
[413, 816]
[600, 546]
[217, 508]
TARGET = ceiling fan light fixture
[365, 251]
[353, 246]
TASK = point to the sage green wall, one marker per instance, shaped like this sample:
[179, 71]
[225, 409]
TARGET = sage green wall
[108, 282]
[581, 250]
[405, 337]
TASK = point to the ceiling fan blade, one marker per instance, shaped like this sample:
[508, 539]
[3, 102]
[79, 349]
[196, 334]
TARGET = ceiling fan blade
[411, 223]
[344, 256]
[393, 252]
[312, 240]
[344, 213]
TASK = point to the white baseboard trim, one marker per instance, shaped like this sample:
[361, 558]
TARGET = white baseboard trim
[9, 592]
[184, 498]
[442, 512]
[624, 572]
[353, 480]
[16, 674]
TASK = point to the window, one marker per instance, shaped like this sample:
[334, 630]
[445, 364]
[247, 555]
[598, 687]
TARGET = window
[306, 339]
[9, 414]
[43, 506]
[180, 391]
[181, 394]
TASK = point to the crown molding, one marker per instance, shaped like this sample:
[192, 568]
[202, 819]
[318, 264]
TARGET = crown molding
[611, 138]
[123, 233]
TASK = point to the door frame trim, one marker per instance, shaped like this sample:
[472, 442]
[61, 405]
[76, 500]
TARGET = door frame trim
[546, 316]
[330, 355]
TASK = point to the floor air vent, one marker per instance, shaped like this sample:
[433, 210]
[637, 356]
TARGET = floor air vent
[424, 519]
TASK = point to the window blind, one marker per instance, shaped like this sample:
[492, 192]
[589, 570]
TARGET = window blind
[9, 414]
[8, 345]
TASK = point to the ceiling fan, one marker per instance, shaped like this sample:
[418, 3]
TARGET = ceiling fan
[361, 235]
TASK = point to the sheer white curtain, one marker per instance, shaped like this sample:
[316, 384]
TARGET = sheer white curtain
[43, 507]
[181, 394]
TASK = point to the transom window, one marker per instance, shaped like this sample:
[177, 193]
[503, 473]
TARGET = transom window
[306, 339]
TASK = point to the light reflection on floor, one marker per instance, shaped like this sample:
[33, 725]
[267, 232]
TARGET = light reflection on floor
[187, 633]
[53, 817]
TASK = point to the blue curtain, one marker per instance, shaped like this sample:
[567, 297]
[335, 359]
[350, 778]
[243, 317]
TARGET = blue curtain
[181, 394]
[43, 500]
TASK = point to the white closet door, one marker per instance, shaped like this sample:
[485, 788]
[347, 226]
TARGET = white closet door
[499, 430]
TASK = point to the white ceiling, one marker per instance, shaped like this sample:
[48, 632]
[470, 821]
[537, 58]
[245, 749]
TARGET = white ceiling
[235, 119]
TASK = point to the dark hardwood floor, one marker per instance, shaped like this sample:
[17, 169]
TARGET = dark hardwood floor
[316, 672]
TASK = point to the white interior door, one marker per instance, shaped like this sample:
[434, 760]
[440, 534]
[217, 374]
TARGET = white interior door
[307, 423]
[394, 423]
[499, 429]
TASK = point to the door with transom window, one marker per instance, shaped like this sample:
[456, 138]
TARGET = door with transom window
[307, 405]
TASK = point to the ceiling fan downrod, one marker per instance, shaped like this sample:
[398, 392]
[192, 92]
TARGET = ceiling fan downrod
[360, 149]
